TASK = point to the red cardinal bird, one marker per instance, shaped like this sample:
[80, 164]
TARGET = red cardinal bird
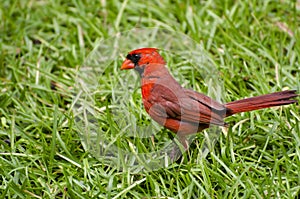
[182, 110]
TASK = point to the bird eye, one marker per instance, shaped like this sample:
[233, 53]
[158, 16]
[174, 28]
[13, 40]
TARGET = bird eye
[134, 58]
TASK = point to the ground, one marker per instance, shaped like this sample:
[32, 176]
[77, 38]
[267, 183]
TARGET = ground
[254, 46]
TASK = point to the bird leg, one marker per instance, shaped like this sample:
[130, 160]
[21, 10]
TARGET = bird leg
[179, 148]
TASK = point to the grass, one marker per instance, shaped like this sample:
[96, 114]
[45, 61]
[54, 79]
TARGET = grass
[254, 45]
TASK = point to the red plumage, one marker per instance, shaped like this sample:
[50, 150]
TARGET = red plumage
[185, 111]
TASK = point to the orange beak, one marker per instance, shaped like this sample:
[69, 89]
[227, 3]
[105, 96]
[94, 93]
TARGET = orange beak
[127, 64]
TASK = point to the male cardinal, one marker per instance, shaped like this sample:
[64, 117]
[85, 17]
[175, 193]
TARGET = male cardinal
[182, 110]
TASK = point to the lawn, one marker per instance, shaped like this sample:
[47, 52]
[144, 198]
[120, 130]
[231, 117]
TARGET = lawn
[73, 124]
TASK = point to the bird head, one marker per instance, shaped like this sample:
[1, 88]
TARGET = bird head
[142, 58]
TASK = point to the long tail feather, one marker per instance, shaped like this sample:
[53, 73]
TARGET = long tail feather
[259, 102]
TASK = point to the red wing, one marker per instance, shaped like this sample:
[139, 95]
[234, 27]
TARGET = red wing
[185, 105]
[201, 108]
[205, 100]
